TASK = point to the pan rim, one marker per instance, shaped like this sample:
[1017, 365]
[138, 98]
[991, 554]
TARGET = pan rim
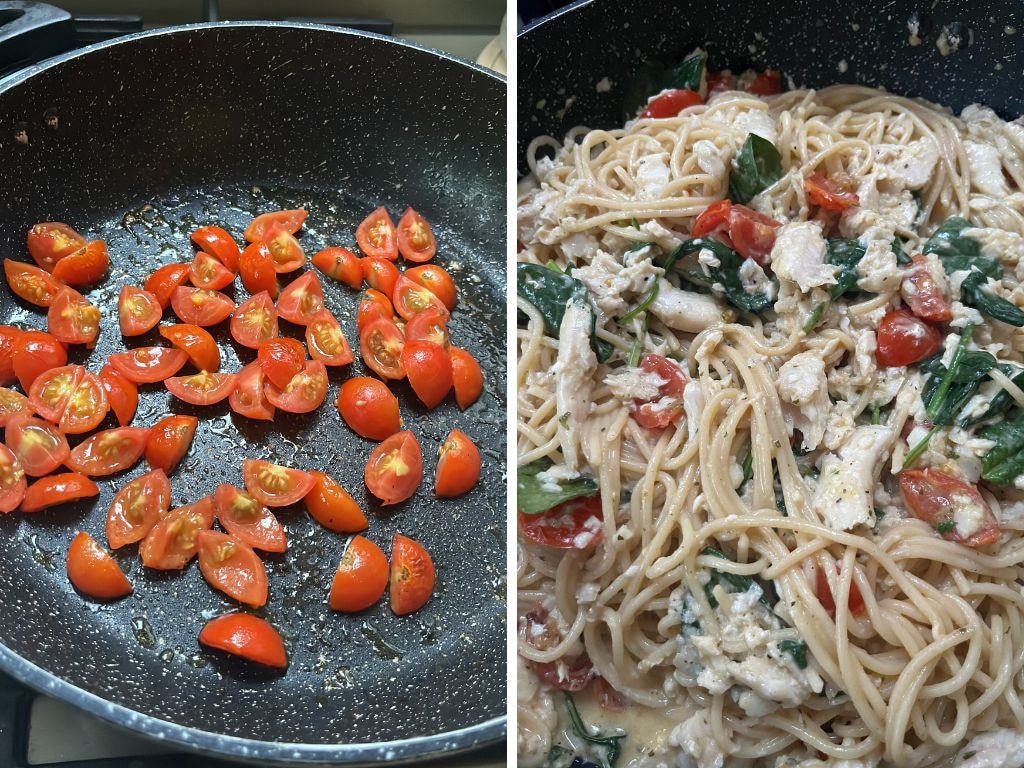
[446, 743]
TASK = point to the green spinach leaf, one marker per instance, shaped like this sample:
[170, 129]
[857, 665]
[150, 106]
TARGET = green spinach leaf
[1001, 400]
[734, 582]
[726, 274]
[957, 251]
[845, 254]
[550, 290]
[757, 166]
[797, 649]
[653, 77]
[612, 744]
[973, 293]
[535, 496]
[948, 390]
[1005, 461]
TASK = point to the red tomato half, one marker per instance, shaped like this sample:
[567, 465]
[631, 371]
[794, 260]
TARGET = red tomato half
[412, 298]
[83, 267]
[255, 321]
[122, 394]
[361, 577]
[201, 307]
[719, 82]
[395, 468]
[458, 465]
[8, 335]
[203, 388]
[922, 293]
[668, 406]
[169, 440]
[429, 370]
[164, 281]
[429, 325]
[290, 221]
[246, 636]
[52, 389]
[58, 489]
[137, 507]
[73, 319]
[219, 244]
[325, 340]
[275, 485]
[415, 237]
[573, 524]
[245, 517]
[670, 103]
[109, 451]
[374, 304]
[37, 444]
[12, 402]
[467, 378]
[51, 241]
[752, 234]
[826, 193]
[301, 299]
[31, 283]
[380, 274]
[823, 591]
[93, 571]
[12, 480]
[331, 506]
[87, 405]
[209, 274]
[172, 541]
[713, 221]
[281, 359]
[138, 310]
[380, 345]
[284, 249]
[195, 342]
[767, 83]
[249, 399]
[904, 339]
[934, 496]
[369, 408]
[340, 264]
[437, 281]
[256, 268]
[148, 365]
[304, 392]
[412, 575]
[376, 236]
[230, 565]
[33, 352]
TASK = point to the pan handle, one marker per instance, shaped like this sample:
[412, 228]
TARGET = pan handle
[31, 32]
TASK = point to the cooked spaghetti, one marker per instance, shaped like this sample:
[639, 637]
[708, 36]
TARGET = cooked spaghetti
[771, 449]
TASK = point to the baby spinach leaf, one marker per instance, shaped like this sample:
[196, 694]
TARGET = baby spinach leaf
[688, 73]
[726, 274]
[535, 495]
[757, 166]
[734, 582]
[797, 649]
[1005, 461]
[611, 743]
[973, 293]
[948, 390]
[957, 251]
[654, 77]
[901, 255]
[550, 290]
[845, 254]
[1001, 400]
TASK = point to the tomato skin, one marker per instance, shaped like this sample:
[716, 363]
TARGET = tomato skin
[573, 675]
[823, 591]
[51, 241]
[281, 359]
[34, 352]
[275, 485]
[607, 697]
[652, 414]
[246, 636]
[904, 339]
[429, 370]
[203, 388]
[289, 220]
[250, 521]
[825, 193]
[670, 103]
[380, 274]
[922, 293]
[230, 565]
[255, 321]
[58, 489]
[767, 83]
[87, 405]
[376, 237]
[416, 240]
[256, 268]
[458, 465]
[374, 304]
[38, 445]
[325, 340]
[429, 325]
[169, 440]
[73, 319]
[220, 244]
[340, 264]
[752, 234]
[138, 310]
[12, 480]
[85, 266]
[719, 82]
[148, 365]
[713, 221]
[137, 507]
[412, 298]
[412, 575]
[395, 468]
[8, 336]
[369, 408]
[196, 342]
[305, 392]
[301, 299]
[51, 391]
[361, 577]
[380, 345]
[467, 378]
[931, 495]
[208, 273]
[108, 452]
[201, 307]
[122, 394]
[172, 541]
[437, 281]
[285, 250]
[332, 506]
[163, 282]
[31, 283]
[93, 572]
[249, 398]
[12, 402]
[573, 524]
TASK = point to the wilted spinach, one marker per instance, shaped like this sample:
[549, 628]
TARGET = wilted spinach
[1005, 461]
[534, 496]
[726, 274]
[550, 290]
[757, 166]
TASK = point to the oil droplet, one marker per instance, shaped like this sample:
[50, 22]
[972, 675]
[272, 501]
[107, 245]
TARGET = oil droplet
[40, 554]
[384, 649]
[143, 632]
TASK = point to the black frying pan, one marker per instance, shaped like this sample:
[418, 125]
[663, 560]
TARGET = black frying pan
[137, 142]
[565, 56]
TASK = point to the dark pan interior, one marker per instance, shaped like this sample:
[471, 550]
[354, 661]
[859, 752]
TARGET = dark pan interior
[564, 59]
[164, 132]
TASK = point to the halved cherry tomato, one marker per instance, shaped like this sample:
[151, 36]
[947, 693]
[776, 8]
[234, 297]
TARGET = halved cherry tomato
[52, 389]
[249, 398]
[87, 406]
[922, 293]
[458, 465]
[369, 408]
[935, 497]
[667, 407]
[31, 283]
[412, 298]
[203, 388]
[148, 365]
[429, 325]
[720, 82]
[415, 237]
[412, 575]
[607, 697]
[713, 221]
[248, 519]
[58, 489]
[163, 282]
[904, 339]
[85, 266]
[230, 565]
[137, 507]
[256, 268]
[325, 340]
[254, 321]
[395, 468]
[51, 241]
[429, 370]
[220, 244]
[767, 83]
[361, 577]
[380, 274]
[12, 480]
[381, 344]
[301, 299]
[122, 394]
[12, 402]
[284, 249]
[37, 444]
[195, 342]
[281, 359]
[435, 280]
[670, 103]
[823, 590]
[340, 264]
[374, 304]
[208, 273]
[574, 674]
[573, 524]
[376, 236]
[332, 506]
[138, 310]
[246, 636]
[826, 193]
[305, 392]
[73, 319]
[290, 221]
[200, 307]
[467, 378]
[93, 571]
[169, 440]
[752, 234]
[275, 485]
[109, 451]
[34, 352]
[172, 541]
[8, 335]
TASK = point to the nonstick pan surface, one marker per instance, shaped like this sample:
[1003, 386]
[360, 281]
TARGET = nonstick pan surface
[138, 142]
